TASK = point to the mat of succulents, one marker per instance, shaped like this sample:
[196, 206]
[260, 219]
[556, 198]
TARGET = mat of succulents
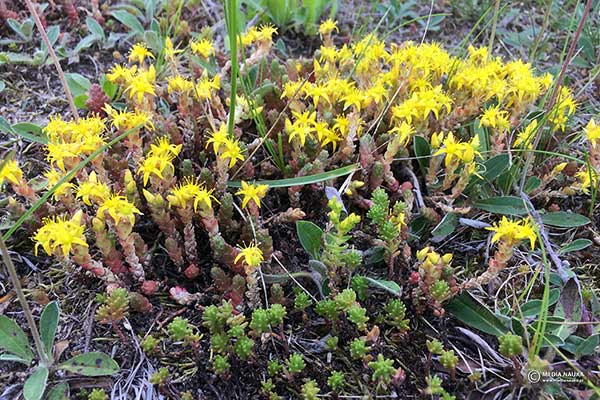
[277, 199]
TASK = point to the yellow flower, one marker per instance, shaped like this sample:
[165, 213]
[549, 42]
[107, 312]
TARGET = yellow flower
[353, 98]
[303, 126]
[203, 48]
[92, 189]
[179, 84]
[170, 51]
[421, 103]
[190, 190]
[52, 177]
[233, 152]
[121, 74]
[125, 120]
[585, 178]
[326, 135]
[155, 165]
[119, 208]
[495, 118]
[206, 85]
[327, 27]
[454, 150]
[218, 138]
[592, 132]
[252, 257]
[162, 146]
[265, 33]
[60, 152]
[60, 233]
[252, 192]
[525, 137]
[10, 171]
[405, 132]
[142, 83]
[513, 232]
[317, 92]
[139, 52]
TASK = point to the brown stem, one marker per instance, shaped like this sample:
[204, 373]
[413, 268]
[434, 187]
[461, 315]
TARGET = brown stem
[61, 74]
[44, 358]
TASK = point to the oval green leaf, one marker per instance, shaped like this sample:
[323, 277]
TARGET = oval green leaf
[91, 364]
[49, 324]
[310, 236]
[576, 245]
[35, 385]
[564, 219]
[476, 315]
[506, 205]
[13, 339]
[389, 286]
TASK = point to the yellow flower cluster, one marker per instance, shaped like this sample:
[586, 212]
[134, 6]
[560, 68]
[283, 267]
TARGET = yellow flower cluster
[261, 35]
[124, 120]
[159, 158]
[225, 147]
[423, 82]
[495, 118]
[119, 208]
[592, 133]
[138, 82]
[190, 190]
[71, 141]
[457, 151]
[513, 232]
[93, 190]
[10, 171]
[305, 125]
[60, 233]
[565, 107]
[203, 48]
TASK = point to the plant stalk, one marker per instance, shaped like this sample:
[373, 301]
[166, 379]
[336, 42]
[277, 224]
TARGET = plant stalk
[39, 346]
[555, 90]
[61, 74]
[231, 10]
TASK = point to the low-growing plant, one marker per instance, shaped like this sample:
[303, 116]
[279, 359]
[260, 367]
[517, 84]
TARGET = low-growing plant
[180, 330]
[310, 390]
[336, 380]
[435, 281]
[98, 394]
[392, 225]
[359, 349]
[160, 377]
[383, 369]
[295, 364]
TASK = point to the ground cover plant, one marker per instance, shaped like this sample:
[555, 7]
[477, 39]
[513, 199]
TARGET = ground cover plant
[301, 204]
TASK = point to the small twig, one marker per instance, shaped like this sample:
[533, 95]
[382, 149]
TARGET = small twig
[61, 74]
[494, 25]
[417, 187]
[544, 236]
[39, 346]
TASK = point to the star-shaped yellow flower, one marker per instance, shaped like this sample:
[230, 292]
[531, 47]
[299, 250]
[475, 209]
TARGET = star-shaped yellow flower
[252, 192]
